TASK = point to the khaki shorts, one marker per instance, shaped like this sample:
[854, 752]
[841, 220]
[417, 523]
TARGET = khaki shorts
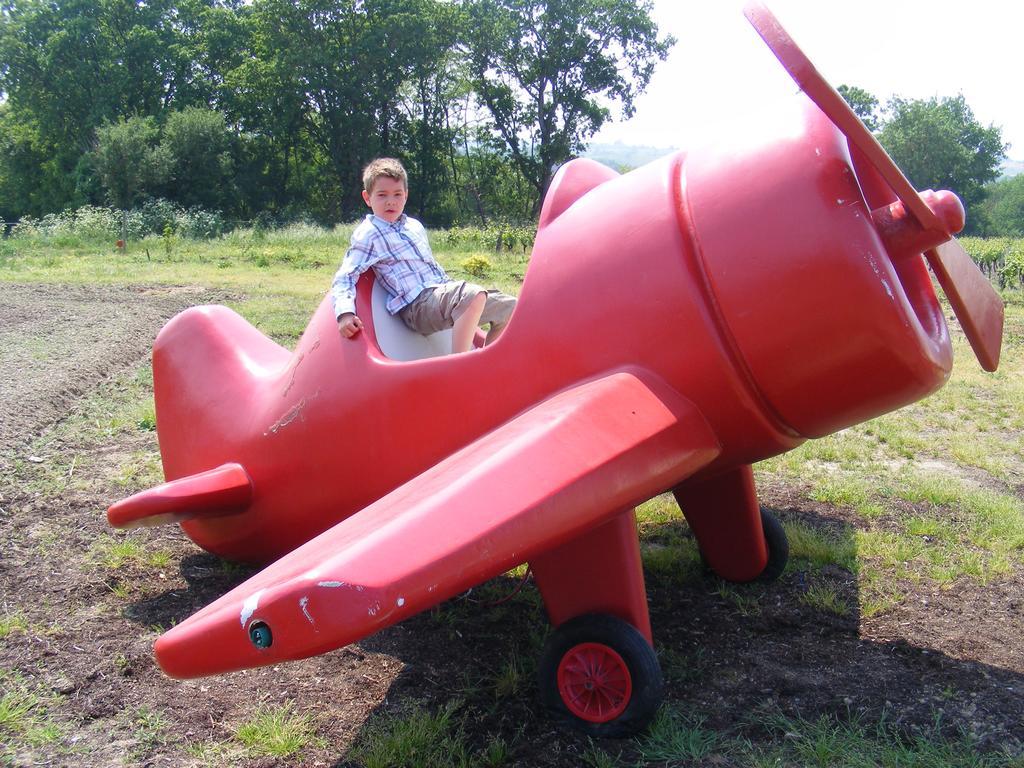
[437, 308]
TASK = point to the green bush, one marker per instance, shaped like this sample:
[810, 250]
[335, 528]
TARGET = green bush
[476, 266]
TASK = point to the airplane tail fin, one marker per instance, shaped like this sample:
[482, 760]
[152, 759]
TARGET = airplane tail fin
[211, 371]
[225, 490]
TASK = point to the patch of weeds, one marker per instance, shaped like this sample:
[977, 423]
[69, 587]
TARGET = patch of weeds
[981, 454]
[496, 754]
[513, 677]
[891, 551]
[122, 590]
[656, 512]
[820, 547]
[677, 563]
[681, 668]
[149, 729]
[147, 419]
[595, 757]
[46, 536]
[896, 434]
[844, 449]
[918, 488]
[832, 743]
[673, 737]
[277, 732]
[825, 598]
[142, 470]
[283, 317]
[930, 528]
[11, 623]
[24, 719]
[215, 754]
[420, 739]
[843, 491]
[996, 521]
[118, 551]
[740, 597]
[979, 533]
[877, 593]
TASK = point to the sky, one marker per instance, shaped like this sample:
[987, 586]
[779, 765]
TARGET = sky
[917, 49]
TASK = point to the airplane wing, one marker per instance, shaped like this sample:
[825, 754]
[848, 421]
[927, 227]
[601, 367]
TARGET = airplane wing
[534, 483]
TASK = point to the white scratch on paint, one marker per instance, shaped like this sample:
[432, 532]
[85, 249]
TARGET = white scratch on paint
[331, 584]
[400, 602]
[839, 201]
[885, 282]
[303, 603]
[249, 607]
[374, 609]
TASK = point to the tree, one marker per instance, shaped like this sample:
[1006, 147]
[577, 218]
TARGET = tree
[196, 143]
[864, 105]
[940, 145]
[425, 127]
[27, 184]
[344, 62]
[546, 71]
[68, 66]
[1004, 207]
[128, 160]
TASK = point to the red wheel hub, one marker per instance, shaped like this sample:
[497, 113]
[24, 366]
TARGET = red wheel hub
[594, 682]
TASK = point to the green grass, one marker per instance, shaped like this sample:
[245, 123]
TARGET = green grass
[818, 547]
[113, 552]
[420, 739]
[11, 623]
[676, 738]
[278, 732]
[150, 730]
[681, 739]
[25, 719]
[832, 743]
[825, 598]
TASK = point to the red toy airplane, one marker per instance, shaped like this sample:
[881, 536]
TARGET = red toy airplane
[676, 324]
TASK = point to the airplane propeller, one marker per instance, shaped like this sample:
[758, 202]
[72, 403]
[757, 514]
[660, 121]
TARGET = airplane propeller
[914, 223]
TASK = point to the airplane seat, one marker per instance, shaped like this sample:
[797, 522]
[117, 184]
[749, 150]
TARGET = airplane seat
[395, 340]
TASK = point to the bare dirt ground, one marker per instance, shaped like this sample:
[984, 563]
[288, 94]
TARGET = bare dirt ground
[83, 644]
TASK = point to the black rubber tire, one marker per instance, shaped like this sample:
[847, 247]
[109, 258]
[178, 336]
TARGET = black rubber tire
[636, 652]
[778, 546]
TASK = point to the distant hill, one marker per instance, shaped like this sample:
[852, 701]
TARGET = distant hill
[623, 157]
[1011, 168]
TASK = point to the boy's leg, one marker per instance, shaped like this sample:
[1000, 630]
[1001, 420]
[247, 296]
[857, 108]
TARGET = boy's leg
[461, 306]
[466, 324]
[497, 312]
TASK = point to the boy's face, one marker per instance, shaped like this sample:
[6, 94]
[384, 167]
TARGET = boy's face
[387, 198]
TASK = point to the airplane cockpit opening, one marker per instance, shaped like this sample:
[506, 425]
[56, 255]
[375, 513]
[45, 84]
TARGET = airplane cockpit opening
[394, 339]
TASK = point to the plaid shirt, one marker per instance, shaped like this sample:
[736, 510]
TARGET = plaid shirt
[400, 255]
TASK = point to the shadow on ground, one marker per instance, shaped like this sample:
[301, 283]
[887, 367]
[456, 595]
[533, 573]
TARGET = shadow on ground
[727, 652]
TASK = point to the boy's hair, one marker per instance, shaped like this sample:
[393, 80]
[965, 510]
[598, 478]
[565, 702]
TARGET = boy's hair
[384, 166]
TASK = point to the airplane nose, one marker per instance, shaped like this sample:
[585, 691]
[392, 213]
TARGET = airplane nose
[937, 215]
[903, 235]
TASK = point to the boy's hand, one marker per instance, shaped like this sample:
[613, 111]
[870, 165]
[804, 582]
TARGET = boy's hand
[349, 325]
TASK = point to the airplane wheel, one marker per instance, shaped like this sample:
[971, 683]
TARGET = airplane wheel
[778, 546]
[600, 675]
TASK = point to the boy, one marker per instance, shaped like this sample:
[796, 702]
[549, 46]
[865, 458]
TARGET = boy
[396, 247]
